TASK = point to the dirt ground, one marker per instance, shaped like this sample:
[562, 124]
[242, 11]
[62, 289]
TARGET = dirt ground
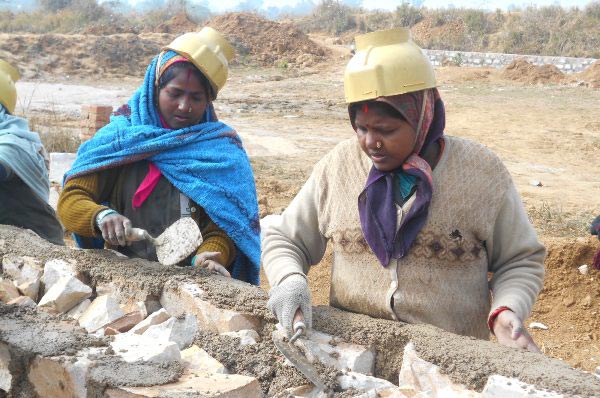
[546, 132]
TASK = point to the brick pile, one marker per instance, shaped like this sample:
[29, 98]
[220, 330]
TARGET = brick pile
[93, 118]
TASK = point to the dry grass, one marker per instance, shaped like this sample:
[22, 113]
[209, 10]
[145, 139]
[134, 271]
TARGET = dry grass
[552, 220]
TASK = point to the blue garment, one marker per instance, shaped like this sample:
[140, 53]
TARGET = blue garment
[206, 162]
[21, 150]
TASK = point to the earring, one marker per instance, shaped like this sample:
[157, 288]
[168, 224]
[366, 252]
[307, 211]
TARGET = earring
[190, 109]
[378, 145]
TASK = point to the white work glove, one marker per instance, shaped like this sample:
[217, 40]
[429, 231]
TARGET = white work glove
[289, 296]
[509, 331]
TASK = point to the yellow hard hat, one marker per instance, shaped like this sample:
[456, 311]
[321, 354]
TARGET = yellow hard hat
[8, 92]
[386, 62]
[208, 51]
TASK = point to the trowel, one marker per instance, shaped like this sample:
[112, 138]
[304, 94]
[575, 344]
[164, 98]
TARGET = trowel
[296, 357]
[177, 242]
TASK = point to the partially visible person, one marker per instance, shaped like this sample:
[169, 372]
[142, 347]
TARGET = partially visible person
[165, 156]
[24, 183]
[595, 230]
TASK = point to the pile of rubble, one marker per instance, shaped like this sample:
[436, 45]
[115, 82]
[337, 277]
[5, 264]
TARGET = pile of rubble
[90, 323]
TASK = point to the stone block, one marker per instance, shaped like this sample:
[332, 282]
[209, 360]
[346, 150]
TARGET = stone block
[5, 375]
[247, 337]
[134, 347]
[102, 311]
[155, 318]
[362, 382]
[30, 289]
[182, 298]
[62, 376]
[196, 359]
[56, 269]
[11, 266]
[181, 331]
[195, 384]
[65, 294]
[325, 348]
[8, 291]
[60, 163]
[126, 322]
[500, 386]
[76, 312]
[23, 301]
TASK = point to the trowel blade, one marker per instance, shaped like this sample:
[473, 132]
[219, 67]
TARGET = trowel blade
[178, 241]
[293, 355]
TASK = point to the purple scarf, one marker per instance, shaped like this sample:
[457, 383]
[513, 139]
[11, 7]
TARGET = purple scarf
[376, 205]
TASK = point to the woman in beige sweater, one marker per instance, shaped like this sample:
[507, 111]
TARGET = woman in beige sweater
[417, 219]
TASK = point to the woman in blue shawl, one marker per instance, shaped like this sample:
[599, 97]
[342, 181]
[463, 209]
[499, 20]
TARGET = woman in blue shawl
[165, 156]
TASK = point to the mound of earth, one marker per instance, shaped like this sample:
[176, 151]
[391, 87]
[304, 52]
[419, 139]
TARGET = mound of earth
[427, 33]
[591, 75]
[59, 56]
[179, 24]
[268, 43]
[523, 71]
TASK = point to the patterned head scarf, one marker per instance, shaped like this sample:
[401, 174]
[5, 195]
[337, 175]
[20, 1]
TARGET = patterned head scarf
[424, 111]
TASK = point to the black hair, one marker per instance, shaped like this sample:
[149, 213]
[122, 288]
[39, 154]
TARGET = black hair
[172, 71]
[386, 108]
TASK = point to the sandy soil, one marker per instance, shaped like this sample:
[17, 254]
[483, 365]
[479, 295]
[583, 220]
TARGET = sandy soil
[289, 118]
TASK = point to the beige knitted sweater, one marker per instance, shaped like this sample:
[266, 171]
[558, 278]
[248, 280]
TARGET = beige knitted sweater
[476, 224]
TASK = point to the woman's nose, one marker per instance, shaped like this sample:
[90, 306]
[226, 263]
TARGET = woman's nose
[372, 140]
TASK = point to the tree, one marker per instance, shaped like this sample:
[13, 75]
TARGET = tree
[54, 5]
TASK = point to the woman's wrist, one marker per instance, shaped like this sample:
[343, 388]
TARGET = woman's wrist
[103, 213]
[494, 315]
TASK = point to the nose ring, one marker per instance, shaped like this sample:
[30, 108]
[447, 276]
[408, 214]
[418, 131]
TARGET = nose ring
[378, 144]
[190, 109]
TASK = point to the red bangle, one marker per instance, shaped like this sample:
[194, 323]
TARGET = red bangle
[494, 315]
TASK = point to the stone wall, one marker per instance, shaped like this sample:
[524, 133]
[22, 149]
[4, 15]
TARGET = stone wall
[499, 60]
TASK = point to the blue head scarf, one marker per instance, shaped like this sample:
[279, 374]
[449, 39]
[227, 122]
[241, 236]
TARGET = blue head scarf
[206, 162]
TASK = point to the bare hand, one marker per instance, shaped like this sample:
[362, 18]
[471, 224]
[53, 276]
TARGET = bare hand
[509, 331]
[114, 228]
[210, 260]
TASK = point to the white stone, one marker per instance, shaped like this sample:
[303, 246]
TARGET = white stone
[5, 375]
[195, 385]
[583, 269]
[56, 269]
[30, 289]
[196, 359]
[62, 376]
[134, 347]
[247, 337]
[23, 301]
[102, 311]
[537, 325]
[76, 312]
[419, 377]
[181, 331]
[155, 318]
[11, 266]
[60, 163]
[65, 294]
[8, 291]
[362, 382]
[318, 346]
[179, 299]
[500, 387]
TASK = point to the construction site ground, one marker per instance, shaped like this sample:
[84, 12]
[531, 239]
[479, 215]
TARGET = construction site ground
[548, 135]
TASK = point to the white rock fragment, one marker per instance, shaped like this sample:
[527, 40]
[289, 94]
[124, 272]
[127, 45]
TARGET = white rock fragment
[537, 325]
[583, 269]
[182, 298]
[5, 375]
[418, 377]
[181, 331]
[8, 291]
[134, 347]
[318, 346]
[23, 301]
[362, 382]
[65, 294]
[56, 269]
[76, 312]
[155, 318]
[11, 266]
[536, 183]
[247, 336]
[196, 359]
[102, 311]
[195, 384]
[500, 387]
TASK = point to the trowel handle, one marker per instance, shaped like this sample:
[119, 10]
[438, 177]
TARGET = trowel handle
[299, 329]
[138, 234]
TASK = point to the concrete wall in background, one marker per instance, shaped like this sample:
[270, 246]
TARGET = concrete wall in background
[499, 60]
